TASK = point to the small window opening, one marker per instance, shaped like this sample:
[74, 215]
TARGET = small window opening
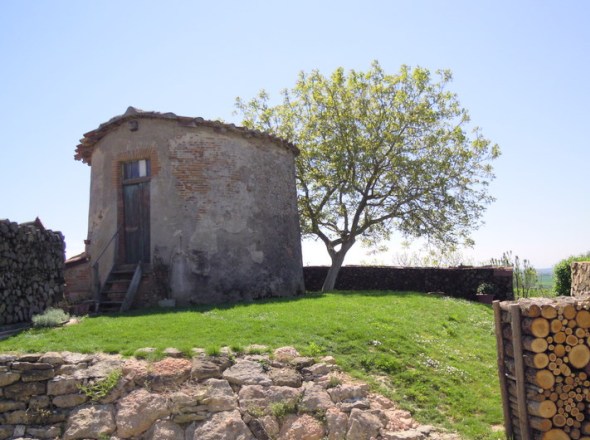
[136, 169]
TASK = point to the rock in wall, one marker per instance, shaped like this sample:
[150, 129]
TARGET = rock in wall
[31, 270]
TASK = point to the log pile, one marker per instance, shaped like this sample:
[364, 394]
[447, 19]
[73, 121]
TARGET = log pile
[544, 367]
[31, 270]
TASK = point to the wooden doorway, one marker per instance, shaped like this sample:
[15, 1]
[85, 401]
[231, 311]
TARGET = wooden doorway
[136, 211]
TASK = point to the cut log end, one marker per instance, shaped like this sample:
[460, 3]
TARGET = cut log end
[556, 434]
[579, 356]
[538, 327]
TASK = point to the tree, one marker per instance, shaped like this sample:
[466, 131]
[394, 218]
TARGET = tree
[524, 279]
[379, 153]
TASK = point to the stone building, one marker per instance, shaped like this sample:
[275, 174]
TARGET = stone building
[208, 208]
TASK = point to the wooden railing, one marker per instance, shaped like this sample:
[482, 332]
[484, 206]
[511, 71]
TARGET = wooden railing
[96, 267]
[132, 290]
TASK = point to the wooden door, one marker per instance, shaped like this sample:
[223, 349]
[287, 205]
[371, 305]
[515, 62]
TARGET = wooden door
[136, 204]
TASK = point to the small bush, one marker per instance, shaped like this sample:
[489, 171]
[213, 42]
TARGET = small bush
[313, 349]
[50, 318]
[487, 289]
[562, 273]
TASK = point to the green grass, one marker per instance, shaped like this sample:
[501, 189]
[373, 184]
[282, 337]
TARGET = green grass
[545, 280]
[434, 356]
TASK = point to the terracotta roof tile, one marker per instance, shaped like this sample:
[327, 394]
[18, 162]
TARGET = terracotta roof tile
[87, 143]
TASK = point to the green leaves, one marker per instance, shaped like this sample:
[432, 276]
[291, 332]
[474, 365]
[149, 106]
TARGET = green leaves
[380, 152]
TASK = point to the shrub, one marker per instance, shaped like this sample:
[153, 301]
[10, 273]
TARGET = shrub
[313, 349]
[487, 289]
[50, 318]
[562, 273]
[524, 278]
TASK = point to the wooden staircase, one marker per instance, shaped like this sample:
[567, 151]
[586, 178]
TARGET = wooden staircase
[119, 290]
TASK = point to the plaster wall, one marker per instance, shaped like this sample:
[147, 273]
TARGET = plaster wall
[223, 213]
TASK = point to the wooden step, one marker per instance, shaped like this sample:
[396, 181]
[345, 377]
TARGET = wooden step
[120, 288]
[125, 268]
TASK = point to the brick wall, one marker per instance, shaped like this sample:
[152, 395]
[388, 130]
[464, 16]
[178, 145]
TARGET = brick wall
[78, 279]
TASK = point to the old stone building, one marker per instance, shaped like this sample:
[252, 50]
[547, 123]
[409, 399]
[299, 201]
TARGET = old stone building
[208, 208]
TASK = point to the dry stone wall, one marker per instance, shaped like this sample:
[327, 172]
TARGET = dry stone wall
[254, 397]
[580, 278]
[460, 282]
[31, 270]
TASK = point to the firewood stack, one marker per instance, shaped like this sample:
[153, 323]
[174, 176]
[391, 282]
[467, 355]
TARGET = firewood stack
[544, 367]
[31, 270]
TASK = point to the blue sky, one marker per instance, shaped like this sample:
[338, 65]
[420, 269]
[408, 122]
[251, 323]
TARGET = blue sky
[520, 68]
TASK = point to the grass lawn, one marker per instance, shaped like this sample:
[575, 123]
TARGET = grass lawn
[434, 356]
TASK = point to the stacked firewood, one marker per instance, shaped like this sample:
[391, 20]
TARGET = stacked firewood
[544, 364]
[31, 270]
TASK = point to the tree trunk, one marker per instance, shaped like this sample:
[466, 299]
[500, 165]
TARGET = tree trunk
[337, 260]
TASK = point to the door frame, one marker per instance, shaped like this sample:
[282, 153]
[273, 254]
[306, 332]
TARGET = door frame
[142, 180]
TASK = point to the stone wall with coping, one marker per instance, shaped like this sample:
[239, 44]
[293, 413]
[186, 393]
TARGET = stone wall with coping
[460, 282]
[176, 398]
[31, 270]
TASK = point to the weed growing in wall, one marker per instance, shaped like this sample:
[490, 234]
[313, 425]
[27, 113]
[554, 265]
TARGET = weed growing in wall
[101, 388]
[282, 409]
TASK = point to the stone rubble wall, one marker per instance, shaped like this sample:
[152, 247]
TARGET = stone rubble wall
[580, 278]
[31, 270]
[253, 397]
[459, 282]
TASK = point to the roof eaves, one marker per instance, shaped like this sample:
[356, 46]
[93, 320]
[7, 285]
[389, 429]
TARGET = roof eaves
[84, 149]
